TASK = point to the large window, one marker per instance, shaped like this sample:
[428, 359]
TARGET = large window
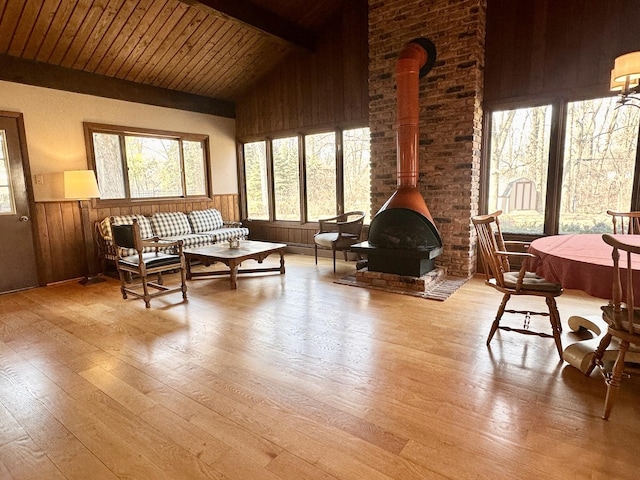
[569, 188]
[334, 179]
[135, 164]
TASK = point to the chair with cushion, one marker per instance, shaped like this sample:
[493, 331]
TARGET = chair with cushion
[339, 233]
[622, 318]
[625, 222]
[151, 257]
[497, 268]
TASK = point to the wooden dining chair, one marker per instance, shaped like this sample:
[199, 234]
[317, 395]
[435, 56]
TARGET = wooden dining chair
[145, 257]
[623, 320]
[496, 256]
[625, 222]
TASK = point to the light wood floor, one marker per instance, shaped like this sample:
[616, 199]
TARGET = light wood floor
[295, 377]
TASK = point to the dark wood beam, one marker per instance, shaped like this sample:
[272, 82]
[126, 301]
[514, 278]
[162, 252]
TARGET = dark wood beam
[13, 69]
[260, 18]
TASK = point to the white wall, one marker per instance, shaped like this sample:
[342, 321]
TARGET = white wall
[55, 136]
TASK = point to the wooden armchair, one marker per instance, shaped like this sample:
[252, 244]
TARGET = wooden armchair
[152, 257]
[495, 260]
[625, 222]
[339, 233]
[622, 318]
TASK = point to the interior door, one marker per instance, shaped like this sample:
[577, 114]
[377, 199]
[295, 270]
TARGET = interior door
[17, 253]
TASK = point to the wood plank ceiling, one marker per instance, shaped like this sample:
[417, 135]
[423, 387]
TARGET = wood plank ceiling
[207, 48]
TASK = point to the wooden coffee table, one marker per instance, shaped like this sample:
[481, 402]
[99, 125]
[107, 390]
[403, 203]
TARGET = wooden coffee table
[233, 258]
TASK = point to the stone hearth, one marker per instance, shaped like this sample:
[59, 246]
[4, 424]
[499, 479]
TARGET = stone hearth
[393, 282]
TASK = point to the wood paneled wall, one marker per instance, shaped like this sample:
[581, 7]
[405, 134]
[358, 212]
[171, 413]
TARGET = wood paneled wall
[307, 90]
[61, 248]
[546, 48]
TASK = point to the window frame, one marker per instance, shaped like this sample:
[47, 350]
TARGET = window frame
[556, 159]
[338, 131]
[122, 132]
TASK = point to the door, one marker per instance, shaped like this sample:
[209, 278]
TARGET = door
[17, 253]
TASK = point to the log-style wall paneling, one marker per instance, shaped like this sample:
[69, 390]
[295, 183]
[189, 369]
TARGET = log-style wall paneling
[551, 48]
[307, 90]
[61, 246]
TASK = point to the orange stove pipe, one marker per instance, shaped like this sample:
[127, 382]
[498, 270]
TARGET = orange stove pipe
[414, 61]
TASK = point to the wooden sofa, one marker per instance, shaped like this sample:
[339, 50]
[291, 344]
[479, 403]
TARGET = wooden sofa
[196, 228]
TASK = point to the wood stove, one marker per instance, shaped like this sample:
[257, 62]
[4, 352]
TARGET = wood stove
[403, 239]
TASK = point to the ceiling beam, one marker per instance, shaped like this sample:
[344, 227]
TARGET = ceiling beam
[258, 17]
[29, 72]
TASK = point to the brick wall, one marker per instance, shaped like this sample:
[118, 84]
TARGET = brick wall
[450, 113]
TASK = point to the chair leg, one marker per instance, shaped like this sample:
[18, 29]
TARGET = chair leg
[556, 327]
[183, 277]
[122, 283]
[315, 249]
[146, 296]
[613, 382]
[496, 322]
[599, 353]
[334, 261]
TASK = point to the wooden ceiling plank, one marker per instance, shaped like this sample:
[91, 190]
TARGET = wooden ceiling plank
[85, 30]
[232, 65]
[171, 42]
[96, 56]
[126, 30]
[195, 43]
[9, 23]
[40, 29]
[215, 56]
[70, 31]
[262, 19]
[25, 26]
[63, 12]
[188, 24]
[138, 38]
[96, 36]
[209, 44]
[161, 26]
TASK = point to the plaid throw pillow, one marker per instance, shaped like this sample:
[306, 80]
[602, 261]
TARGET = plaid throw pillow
[205, 220]
[145, 225]
[170, 224]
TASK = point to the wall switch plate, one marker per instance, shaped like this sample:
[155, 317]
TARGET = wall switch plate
[39, 179]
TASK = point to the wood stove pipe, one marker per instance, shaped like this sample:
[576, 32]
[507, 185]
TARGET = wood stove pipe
[415, 60]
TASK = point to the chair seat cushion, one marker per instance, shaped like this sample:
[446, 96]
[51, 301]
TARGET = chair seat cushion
[150, 260]
[326, 239]
[531, 281]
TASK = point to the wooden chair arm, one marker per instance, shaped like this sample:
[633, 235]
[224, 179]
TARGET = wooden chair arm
[525, 256]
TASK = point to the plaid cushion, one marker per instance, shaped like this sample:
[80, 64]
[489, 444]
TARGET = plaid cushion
[205, 220]
[145, 225]
[224, 234]
[192, 240]
[170, 224]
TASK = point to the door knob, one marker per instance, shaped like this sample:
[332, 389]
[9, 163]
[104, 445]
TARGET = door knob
[24, 218]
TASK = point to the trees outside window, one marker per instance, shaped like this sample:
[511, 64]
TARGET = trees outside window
[567, 189]
[334, 179]
[136, 164]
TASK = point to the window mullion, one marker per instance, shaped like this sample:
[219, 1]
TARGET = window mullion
[125, 167]
[556, 166]
[339, 172]
[183, 174]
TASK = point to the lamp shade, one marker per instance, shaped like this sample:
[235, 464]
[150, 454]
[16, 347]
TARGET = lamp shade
[627, 65]
[619, 86]
[80, 184]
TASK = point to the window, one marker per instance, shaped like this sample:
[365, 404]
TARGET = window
[320, 160]
[334, 179]
[7, 205]
[135, 164]
[255, 173]
[591, 171]
[286, 178]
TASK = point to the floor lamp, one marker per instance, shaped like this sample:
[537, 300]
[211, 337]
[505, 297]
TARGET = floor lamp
[81, 185]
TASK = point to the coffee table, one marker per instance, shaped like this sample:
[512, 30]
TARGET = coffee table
[233, 258]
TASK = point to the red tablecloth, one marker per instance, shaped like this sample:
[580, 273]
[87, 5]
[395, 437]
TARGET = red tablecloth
[581, 262]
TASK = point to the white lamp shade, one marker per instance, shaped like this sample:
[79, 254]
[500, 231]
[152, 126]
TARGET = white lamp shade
[627, 65]
[80, 184]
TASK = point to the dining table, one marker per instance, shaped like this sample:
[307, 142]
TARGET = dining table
[583, 262]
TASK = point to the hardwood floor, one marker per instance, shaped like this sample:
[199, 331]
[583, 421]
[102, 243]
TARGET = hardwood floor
[295, 377]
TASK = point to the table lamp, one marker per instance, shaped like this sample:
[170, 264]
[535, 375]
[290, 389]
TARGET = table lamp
[82, 186]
